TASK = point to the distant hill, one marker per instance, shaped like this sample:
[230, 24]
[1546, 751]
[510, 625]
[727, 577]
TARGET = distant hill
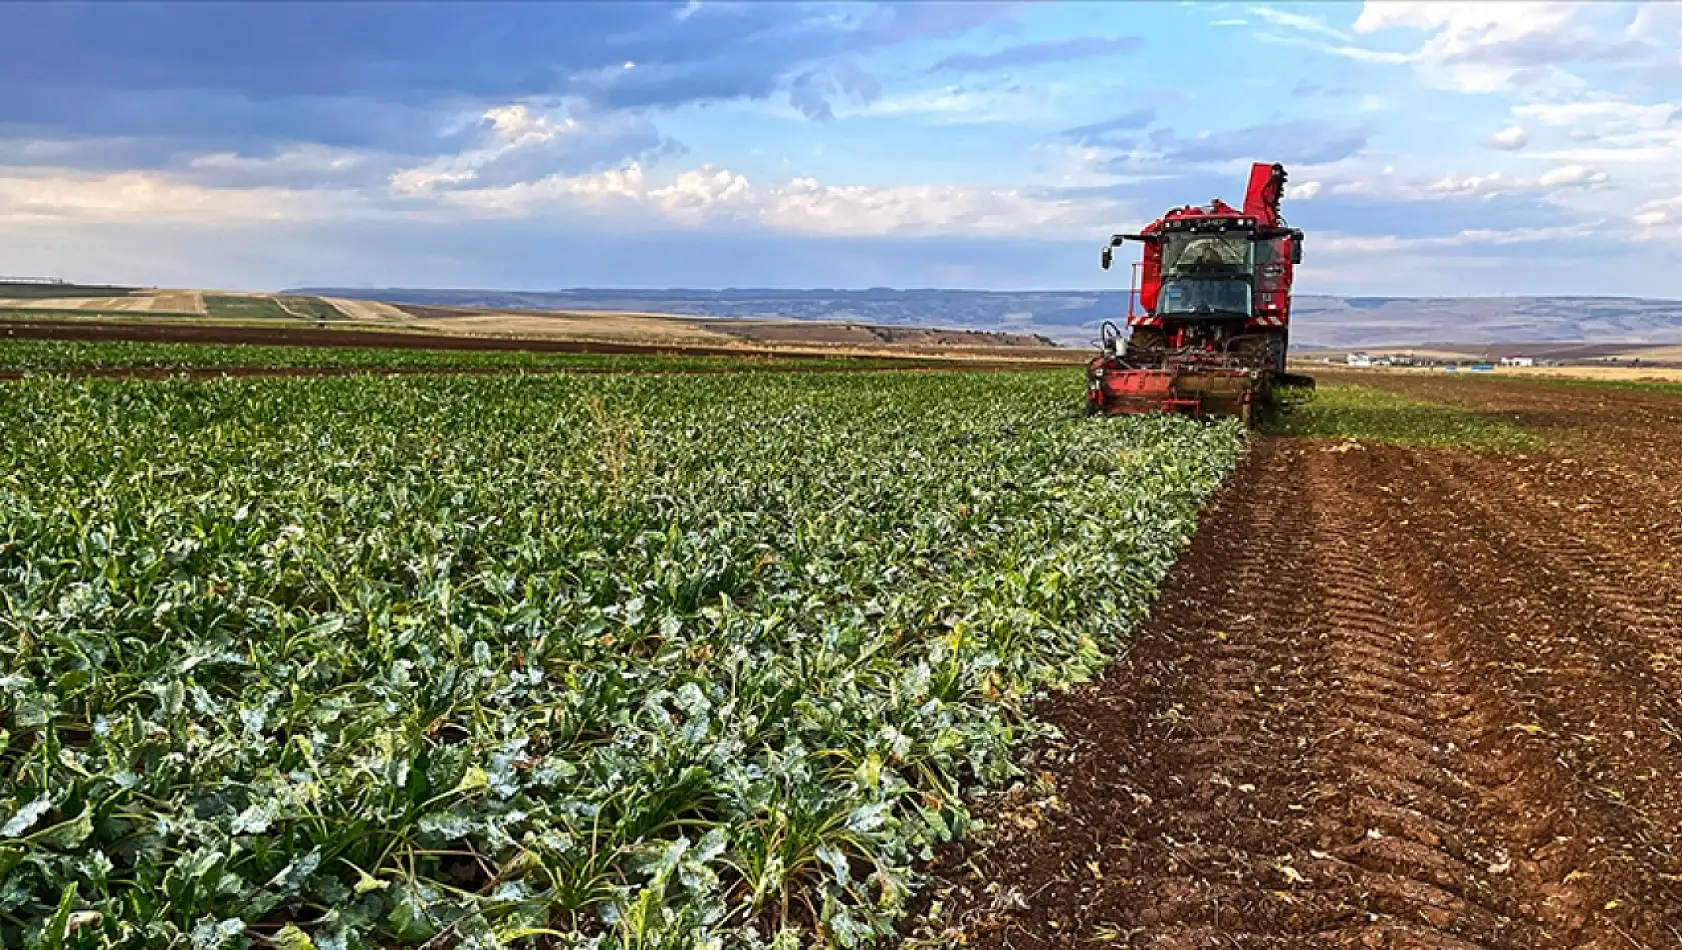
[1073, 317]
[1378, 321]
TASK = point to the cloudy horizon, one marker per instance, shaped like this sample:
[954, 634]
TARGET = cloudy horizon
[1434, 149]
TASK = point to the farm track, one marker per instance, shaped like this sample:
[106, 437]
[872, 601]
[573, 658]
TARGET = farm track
[1390, 698]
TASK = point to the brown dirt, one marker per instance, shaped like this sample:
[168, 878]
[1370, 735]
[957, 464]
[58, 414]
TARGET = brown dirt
[367, 310]
[332, 337]
[1390, 698]
[308, 335]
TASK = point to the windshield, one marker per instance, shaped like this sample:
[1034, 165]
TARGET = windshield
[1186, 295]
[1206, 256]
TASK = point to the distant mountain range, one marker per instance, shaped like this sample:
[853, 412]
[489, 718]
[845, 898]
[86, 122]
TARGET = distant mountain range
[1073, 317]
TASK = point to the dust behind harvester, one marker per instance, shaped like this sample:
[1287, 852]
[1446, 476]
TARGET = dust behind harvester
[1210, 309]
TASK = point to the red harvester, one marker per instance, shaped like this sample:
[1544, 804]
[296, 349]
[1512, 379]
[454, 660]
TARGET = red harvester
[1210, 309]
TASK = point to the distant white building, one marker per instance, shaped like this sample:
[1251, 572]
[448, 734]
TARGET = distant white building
[1518, 361]
[1358, 359]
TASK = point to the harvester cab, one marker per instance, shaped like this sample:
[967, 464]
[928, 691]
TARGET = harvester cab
[1209, 310]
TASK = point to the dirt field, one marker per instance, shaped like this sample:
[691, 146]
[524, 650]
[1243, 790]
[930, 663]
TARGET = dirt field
[1392, 697]
[367, 310]
[138, 302]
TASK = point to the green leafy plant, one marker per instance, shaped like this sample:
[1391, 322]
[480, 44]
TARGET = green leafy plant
[605, 661]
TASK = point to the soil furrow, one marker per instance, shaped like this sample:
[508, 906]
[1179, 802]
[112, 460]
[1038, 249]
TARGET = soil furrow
[1324, 738]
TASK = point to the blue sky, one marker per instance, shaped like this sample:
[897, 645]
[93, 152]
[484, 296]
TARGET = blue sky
[1434, 148]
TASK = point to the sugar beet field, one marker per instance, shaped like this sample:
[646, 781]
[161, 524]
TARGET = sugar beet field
[800, 660]
[562, 661]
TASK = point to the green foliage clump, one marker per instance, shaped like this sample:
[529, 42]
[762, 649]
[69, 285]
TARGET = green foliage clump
[233, 306]
[1376, 415]
[588, 662]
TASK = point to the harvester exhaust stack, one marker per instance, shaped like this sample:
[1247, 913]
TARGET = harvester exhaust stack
[1209, 309]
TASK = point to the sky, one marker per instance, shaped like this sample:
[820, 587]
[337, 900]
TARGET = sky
[1433, 148]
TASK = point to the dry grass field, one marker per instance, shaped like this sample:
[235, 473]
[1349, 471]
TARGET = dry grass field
[285, 314]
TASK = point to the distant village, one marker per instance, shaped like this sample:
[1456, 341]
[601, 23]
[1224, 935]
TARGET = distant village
[1360, 359]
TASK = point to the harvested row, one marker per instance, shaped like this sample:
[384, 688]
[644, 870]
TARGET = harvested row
[1370, 711]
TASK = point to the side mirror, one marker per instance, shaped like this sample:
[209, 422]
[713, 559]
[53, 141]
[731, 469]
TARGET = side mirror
[1104, 259]
[1296, 249]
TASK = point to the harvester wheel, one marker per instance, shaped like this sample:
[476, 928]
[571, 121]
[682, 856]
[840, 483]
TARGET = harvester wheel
[1148, 338]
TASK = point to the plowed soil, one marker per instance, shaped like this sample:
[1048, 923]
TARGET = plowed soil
[1391, 697]
[312, 335]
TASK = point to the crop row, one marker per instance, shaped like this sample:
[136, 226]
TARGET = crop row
[48, 356]
[581, 661]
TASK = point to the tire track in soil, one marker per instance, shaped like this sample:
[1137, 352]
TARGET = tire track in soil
[1305, 747]
[1572, 644]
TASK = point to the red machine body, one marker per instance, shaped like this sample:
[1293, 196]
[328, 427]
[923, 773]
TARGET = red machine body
[1209, 309]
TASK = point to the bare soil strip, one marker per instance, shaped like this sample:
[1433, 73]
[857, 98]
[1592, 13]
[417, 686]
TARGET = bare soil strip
[1384, 701]
[189, 332]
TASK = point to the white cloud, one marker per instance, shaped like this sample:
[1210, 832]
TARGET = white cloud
[134, 195]
[1356, 182]
[713, 196]
[1601, 115]
[1302, 192]
[1388, 186]
[1659, 21]
[1657, 214]
[1357, 53]
[1298, 21]
[1510, 138]
[1573, 175]
[520, 143]
[1372, 103]
[1489, 46]
[1479, 237]
[309, 158]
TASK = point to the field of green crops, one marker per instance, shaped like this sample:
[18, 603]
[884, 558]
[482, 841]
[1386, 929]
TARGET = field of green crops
[51, 356]
[558, 661]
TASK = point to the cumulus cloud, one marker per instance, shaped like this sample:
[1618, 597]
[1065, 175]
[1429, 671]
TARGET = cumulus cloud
[1572, 175]
[1660, 25]
[521, 143]
[1483, 46]
[717, 196]
[1664, 213]
[1034, 54]
[1508, 139]
[1303, 191]
[152, 197]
